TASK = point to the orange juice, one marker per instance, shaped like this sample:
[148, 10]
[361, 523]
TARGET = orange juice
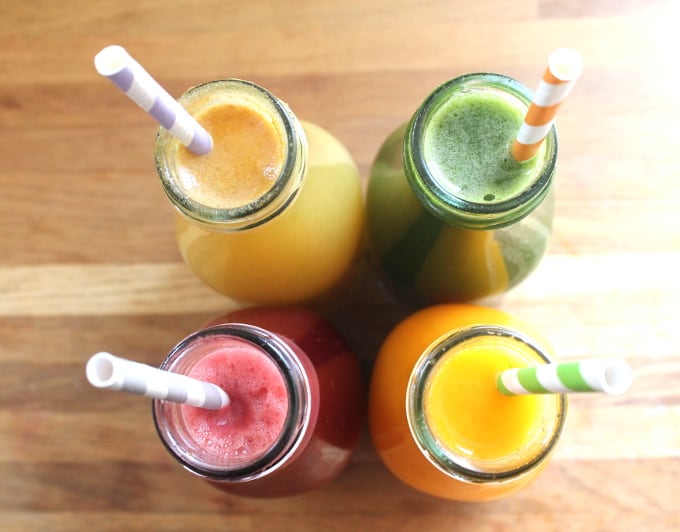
[274, 213]
[436, 418]
[465, 409]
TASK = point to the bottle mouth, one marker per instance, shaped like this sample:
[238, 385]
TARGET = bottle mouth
[171, 427]
[460, 463]
[284, 188]
[442, 197]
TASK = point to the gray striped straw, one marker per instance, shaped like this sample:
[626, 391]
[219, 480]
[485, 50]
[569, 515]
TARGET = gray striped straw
[105, 370]
[114, 63]
[608, 375]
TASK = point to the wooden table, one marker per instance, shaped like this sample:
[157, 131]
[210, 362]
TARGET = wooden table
[89, 260]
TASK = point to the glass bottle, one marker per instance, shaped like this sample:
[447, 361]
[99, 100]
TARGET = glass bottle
[292, 431]
[452, 219]
[288, 227]
[436, 418]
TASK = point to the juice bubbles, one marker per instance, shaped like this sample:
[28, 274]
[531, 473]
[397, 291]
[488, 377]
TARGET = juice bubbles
[274, 213]
[295, 414]
[451, 215]
[259, 404]
[436, 417]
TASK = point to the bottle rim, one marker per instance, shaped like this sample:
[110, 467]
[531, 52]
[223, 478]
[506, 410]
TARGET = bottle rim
[442, 202]
[269, 204]
[295, 426]
[458, 465]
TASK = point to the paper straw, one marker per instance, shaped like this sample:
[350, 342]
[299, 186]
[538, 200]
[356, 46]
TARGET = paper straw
[564, 68]
[115, 63]
[608, 375]
[105, 370]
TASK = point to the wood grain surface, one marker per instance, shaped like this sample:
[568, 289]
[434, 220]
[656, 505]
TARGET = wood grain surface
[89, 260]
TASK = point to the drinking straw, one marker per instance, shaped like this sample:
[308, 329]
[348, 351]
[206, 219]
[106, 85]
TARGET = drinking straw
[608, 375]
[564, 68]
[105, 370]
[114, 63]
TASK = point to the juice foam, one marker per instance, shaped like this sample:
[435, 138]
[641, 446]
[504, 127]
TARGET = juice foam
[247, 157]
[467, 146]
[254, 419]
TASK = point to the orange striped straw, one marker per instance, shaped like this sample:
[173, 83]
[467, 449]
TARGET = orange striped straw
[564, 67]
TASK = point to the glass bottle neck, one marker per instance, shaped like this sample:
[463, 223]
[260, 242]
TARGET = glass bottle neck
[267, 205]
[464, 451]
[440, 189]
[171, 424]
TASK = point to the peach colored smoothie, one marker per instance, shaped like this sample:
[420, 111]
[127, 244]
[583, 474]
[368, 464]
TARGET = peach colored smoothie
[284, 200]
[247, 156]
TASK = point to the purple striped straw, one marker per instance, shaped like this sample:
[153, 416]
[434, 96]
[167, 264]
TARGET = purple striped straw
[115, 63]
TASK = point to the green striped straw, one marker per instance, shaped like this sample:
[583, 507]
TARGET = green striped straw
[608, 375]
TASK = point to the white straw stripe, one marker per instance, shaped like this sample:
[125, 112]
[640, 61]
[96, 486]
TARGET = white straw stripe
[530, 134]
[548, 94]
[105, 370]
[593, 372]
[547, 377]
[511, 382]
[182, 131]
[143, 90]
[156, 387]
[193, 395]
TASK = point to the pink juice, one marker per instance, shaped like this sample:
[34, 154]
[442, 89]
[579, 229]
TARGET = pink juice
[297, 401]
[258, 407]
[341, 385]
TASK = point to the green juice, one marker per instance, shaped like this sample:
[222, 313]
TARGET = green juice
[451, 215]
[467, 147]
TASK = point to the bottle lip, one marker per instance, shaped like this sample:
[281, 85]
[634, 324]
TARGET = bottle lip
[295, 427]
[443, 203]
[274, 200]
[459, 465]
